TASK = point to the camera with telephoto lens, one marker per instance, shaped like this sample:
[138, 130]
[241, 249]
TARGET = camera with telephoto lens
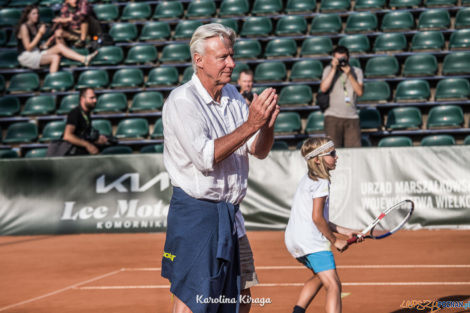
[248, 95]
[343, 62]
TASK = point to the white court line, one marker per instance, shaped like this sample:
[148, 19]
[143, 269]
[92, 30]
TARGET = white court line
[339, 266]
[59, 291]
[289, 285]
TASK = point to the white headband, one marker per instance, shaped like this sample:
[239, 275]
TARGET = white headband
[319, 150]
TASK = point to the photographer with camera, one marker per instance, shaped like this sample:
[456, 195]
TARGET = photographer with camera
[344, 83]
[245, 81]
[78, 129]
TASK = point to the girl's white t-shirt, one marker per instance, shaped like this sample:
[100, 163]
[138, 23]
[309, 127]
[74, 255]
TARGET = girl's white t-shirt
[302, 237]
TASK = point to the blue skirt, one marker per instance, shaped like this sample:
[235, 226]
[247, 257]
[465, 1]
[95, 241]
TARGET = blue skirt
[201, 255]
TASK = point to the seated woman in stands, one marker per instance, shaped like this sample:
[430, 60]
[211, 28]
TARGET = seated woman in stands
[29, 34]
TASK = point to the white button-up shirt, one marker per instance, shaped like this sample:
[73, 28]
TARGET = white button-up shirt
[192, 121]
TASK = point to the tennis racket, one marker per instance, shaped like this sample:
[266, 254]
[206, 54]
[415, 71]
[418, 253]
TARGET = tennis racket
[388, 222]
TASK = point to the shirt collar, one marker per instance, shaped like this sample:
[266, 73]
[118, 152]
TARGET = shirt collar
[201, 90]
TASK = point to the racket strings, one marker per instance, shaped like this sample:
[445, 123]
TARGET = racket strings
[393, 220]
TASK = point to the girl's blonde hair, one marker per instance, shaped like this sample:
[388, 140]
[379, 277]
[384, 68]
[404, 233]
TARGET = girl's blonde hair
[315, 170]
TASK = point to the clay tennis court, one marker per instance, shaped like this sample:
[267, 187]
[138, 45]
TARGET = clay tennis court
[121, 273]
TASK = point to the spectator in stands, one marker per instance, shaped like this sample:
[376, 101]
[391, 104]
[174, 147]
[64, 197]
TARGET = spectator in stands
[78, 129]
[77, 22]
[245, 81]
[209, 131]
[341, 118]
[29, 34]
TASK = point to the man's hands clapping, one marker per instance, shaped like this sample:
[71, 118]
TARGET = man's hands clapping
[264, 109]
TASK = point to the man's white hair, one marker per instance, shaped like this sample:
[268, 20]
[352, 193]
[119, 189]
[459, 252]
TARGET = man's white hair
[204, 32]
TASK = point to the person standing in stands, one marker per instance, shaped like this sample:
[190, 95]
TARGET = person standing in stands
[245, 81]
[29, 34]
[209, 132]
[341, 118]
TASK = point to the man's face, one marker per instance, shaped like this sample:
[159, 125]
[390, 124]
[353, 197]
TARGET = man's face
[217, 62]
[89, 99]
[245, 81]
[338, 56]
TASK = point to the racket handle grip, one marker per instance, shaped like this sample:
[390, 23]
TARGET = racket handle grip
[352, 240]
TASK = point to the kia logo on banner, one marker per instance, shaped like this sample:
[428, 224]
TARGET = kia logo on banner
[134, 179]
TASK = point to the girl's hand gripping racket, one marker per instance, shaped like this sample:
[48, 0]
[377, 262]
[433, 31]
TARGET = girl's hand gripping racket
[388, 222]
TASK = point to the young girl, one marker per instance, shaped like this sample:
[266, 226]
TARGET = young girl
[29, 34]
[309, 234]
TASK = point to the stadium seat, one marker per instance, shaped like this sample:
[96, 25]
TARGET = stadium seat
[9, 106]
[46, 15]
[361, 22]
[168, 10]
[157, 129]
[8, 154]
[201, 9]
[116, 150]
[300, 6]
[420, 65]
[36, 153]
[93, 79]
[438, 140]
[8, 59]
[147, 101]
[288, 122]
[52, 131]
[108, 55]
[382, 66]
[247, 49]
[155, 31]
[280, 47]
[21, 3]
[13, 41]
[291, 26]
[413, 90]
[256, 26]
[395, 141]
[370, 118]
[369, 5]
[128, 77]
[187, 74]
[316, 46]
[335, 5]
[175, 53]
[67, 104]
[141, 54]
[390, 42]
[2, 83]
[58, 81]
[123, 32]
[21, 132]
[404, 3]
[111, 102]
[238, 68]
[162, 76]
[398, 21]
[9, 16]
[403, 118]
[453, 89]
[263, 7]
[462, 19]
[270, 71]
[466, 141]
[136, 11]
[185, 29]
[65, 62]
[456, 63]
[39, 105]
[358, 43]
[279, 145]
[234, 8]
[3, 37]
[440, 3]
[460, 39]
[375, 91]
[106, 12]
[24, 82]
[258, 89]
[228, 22]
[434, 19]
[50, 2]
[306, 70]
[326, 23]
[295, 95]
[158, 148]
[103, 126]
[428, 40]
[446, 116]
[132, 128]
[465, 3]
[315, 122]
